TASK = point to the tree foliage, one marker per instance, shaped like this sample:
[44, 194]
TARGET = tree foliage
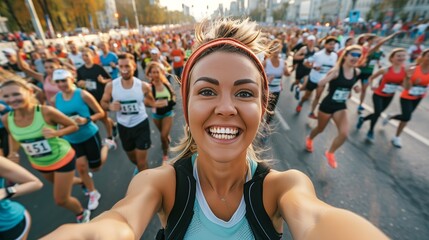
[67, 15]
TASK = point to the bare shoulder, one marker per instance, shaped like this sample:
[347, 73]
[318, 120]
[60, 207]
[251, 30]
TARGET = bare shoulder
[286, 180]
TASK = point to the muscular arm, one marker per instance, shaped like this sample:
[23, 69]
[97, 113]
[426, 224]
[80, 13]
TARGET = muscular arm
[54, 117]
[149, 100]
[129, 217]
[26, 181]
[93, 105]
[107, 96]
[300, 54]
[332, 74]
[310, 218]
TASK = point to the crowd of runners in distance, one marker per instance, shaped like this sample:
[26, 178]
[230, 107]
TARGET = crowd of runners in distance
[51, 99]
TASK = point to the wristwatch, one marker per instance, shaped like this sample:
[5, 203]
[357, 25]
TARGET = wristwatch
[10, 191]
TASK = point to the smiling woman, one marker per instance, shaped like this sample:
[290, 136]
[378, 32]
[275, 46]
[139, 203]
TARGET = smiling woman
[216, 188]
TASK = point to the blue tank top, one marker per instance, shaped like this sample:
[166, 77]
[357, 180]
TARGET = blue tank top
[11, 213]
[74, 107]
[202, 227]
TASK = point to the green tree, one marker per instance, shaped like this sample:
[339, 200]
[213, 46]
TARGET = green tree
[279, 14]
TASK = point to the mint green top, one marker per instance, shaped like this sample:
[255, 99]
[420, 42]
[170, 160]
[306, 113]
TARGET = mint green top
[44, 154]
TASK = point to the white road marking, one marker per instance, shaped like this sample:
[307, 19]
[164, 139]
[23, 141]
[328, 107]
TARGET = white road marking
[282, 121]
[396, 123]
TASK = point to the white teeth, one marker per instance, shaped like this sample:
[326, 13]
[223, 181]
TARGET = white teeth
[223, 133]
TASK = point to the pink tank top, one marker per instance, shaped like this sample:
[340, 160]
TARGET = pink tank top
[50, 90]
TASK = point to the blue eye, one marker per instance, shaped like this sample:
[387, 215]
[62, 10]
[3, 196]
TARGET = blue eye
[207, 92]
[244, 94]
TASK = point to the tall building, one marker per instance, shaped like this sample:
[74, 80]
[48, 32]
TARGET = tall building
[334, 10]
[417, 9]
[233, 9]
[111, 13]
[252, 5]
[364, 6]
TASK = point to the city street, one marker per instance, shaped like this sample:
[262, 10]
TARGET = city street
[386, 185]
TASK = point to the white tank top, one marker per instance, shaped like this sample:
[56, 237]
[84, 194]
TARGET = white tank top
[277, 72]
[132, 110]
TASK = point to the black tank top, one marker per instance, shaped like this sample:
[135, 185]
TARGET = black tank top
[339, 88]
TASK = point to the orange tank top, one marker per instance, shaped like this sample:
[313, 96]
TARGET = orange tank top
[419, 84]
[390, 82]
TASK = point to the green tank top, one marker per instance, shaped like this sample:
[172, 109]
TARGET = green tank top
[42, 153]
[164, 94]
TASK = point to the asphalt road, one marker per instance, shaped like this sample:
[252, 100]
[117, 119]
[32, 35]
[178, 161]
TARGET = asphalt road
[387, 186]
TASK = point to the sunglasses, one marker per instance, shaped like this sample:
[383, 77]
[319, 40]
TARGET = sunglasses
[60, 80]
[354, 54]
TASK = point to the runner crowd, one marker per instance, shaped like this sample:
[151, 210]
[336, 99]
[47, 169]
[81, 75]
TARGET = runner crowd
[52, 97]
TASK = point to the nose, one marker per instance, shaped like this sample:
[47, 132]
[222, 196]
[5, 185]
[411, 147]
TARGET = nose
[226, 106]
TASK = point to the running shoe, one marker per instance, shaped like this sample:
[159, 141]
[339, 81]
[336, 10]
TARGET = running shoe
[370, 136]
[331, 159]
[396, 141]
[386, 119]
[84, 217]
[115, 132]
[94, 196]
[308, 144]
[360, 108]
[312, 116]
[297, 93]
[359, 123]
[292, 86]
[111, 144]
[298, 108]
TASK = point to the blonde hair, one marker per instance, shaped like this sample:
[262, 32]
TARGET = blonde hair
[244, 31]
[348, 49]
[395, 51]
[419, 60]
[161, 69]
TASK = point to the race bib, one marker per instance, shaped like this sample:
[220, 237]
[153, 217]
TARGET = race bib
[74, 117]
[325, 68]
[177, 59]
[36, 147]
[341, 95]
[275, 82]
[417, 91]
[108, 69]
[390, 88]
[90, 85]
[130, 107]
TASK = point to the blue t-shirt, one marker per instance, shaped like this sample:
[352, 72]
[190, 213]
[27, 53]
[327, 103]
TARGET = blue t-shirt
[6, 110]
[11, 213]
[105, 63]
[75, 107]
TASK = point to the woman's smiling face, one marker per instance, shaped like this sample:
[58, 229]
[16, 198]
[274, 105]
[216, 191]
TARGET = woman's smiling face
[224, 105]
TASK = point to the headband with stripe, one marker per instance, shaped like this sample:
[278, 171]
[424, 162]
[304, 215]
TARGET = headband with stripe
[215, 43]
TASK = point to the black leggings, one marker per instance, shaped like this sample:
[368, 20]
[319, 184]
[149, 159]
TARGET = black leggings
[380, 104]
[274, 98]
[408, 107]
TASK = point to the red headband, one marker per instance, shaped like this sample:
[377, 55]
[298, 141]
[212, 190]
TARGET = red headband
[214, 43]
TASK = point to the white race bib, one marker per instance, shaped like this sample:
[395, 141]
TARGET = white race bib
[108, 69]
[37, 147]
[390, 88]
[275, 82]
[90, 85]
[130, 107]
[74, 117]
[325, 68]
[341, 95]
[417, 90]
[177, 59]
